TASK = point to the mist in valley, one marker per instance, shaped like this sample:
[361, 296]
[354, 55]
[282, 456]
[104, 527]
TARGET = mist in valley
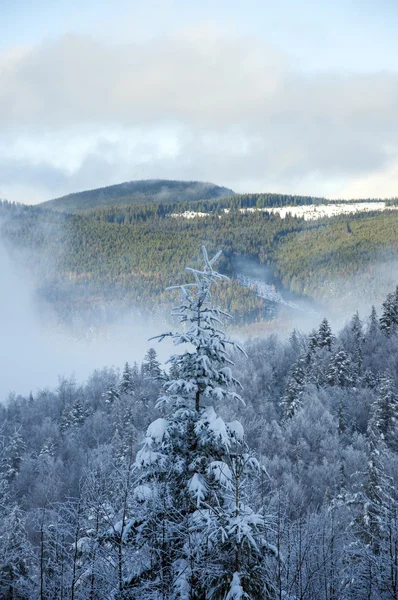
[341, 298]
[36, 350]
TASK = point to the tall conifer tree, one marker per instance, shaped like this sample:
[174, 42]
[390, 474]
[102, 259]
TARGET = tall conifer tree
[194, 534]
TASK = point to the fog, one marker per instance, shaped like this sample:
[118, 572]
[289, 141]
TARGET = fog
[34, 351]
[338, 298]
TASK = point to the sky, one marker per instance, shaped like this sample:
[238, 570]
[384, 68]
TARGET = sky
[259, 96]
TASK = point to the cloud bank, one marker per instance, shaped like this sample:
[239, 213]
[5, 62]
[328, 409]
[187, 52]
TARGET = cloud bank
[77, 112]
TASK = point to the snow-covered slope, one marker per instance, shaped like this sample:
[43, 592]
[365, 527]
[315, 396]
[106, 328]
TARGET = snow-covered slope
[308, 212]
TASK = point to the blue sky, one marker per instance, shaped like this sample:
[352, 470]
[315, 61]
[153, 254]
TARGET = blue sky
[297, 97]
[357, 35]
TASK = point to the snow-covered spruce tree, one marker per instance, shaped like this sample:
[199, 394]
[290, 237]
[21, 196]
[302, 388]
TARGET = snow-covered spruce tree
[12, 455]
[111, 395]
[312, 344]
[151, 365]
[389, 317]
[292, 398]
[340, 371]
[325, 335]
[385, 417]
[127, 384]
[73, 416]
[194, 535]
[373, 326]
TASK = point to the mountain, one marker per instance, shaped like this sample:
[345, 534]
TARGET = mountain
[138, 192]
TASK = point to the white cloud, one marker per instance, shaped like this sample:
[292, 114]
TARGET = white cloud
[373, 185]
[78, 113]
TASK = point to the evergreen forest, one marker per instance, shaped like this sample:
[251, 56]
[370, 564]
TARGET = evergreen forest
[114, 258]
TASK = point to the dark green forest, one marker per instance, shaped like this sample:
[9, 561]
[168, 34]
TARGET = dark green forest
[128, 255]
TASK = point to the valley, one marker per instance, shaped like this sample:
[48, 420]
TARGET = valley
[91, 265]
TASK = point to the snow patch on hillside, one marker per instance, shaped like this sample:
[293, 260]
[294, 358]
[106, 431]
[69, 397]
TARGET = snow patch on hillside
[310, 212]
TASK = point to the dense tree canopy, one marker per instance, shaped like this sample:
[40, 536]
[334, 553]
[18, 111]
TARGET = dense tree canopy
[127, 256]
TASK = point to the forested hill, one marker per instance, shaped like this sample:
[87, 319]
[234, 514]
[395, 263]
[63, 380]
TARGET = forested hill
[127, 256]
[189, 195]
[138, 192]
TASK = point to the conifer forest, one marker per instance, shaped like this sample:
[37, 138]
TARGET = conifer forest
[266, 470]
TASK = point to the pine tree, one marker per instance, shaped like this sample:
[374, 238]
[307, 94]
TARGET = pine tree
[151, 365]
[194, 534]
[13, 453]
[174, 372]
[385, 416]
[111, 395]
[389, 317]
[356, 330]
[127, 383]
[369, 379]
[374, 326]
[295, 342]
[291, 400]
[48, 448]
[73, 415]
[325, 336]
[313, 343]
[340, 370]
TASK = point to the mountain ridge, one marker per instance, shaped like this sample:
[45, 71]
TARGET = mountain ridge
[138, 192]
